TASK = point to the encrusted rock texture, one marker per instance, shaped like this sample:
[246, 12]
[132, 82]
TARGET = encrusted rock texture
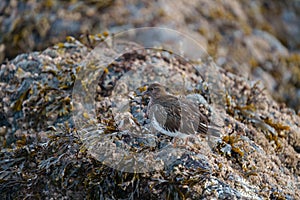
[255, 48]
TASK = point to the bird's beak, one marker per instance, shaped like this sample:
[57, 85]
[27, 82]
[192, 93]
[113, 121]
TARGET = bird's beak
[145, 93]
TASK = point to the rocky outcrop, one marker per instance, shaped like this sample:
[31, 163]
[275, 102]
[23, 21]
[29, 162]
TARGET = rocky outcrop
[57, 115]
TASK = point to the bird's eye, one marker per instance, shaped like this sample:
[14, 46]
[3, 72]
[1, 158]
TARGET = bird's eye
[151, 89]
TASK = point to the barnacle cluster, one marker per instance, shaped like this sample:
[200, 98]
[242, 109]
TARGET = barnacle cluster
[44, 155]
[37, 90]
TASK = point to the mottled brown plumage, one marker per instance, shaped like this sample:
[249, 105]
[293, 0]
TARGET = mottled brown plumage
[173, 116]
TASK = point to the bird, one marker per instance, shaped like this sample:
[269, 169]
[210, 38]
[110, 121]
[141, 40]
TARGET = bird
[174, 116]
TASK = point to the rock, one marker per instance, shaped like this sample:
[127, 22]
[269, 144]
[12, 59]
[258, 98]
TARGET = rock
[59, 140]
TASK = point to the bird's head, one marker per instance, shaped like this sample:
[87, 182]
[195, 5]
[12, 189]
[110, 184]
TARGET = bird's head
[155, 90]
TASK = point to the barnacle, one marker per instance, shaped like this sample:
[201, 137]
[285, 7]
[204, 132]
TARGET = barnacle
[243, 107]
[63, 163]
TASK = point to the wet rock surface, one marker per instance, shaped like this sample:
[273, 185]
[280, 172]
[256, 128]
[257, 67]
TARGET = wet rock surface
[257, 156]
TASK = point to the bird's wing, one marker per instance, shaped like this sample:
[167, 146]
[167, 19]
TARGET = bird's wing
[192, 119]
[171, 106]
[181, 115]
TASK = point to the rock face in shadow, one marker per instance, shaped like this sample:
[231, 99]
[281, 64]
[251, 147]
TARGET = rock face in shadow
[257, 155]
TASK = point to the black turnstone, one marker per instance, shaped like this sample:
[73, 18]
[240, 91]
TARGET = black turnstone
[173, 116]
